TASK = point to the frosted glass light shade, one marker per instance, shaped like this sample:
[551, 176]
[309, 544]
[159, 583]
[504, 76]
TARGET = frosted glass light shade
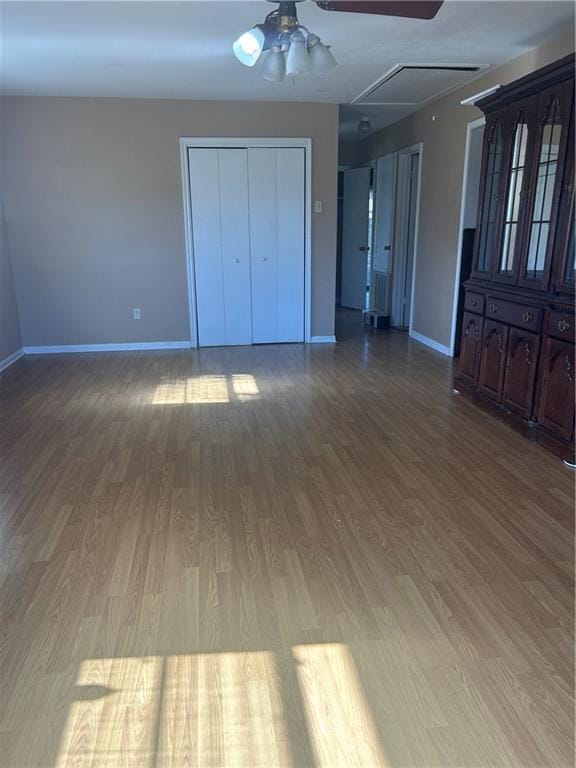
[321, 57]
[297, 60]
[274, 67]
[248, 47]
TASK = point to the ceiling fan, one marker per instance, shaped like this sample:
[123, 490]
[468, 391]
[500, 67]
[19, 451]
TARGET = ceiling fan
[294, 50]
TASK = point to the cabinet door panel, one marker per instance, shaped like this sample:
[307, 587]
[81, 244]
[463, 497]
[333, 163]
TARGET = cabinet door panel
[490, 198]
[547, 174]
[493, 362]
[564, 254]
[520, 149]
[470, 347]
[521, 371]
[556, 405]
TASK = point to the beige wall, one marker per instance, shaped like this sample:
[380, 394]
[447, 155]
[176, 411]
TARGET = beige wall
[94, 210]
[441, 126]
[10, 339]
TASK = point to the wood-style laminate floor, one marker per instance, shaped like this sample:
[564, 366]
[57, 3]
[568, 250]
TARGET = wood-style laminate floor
[277, 556]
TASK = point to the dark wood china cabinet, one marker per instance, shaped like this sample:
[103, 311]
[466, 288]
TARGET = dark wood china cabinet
[517, 349]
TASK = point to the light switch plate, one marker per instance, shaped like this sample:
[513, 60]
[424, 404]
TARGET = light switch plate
[136, 314]
[318, 206]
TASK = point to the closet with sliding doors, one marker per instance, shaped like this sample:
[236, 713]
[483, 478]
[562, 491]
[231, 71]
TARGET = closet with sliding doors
[517, 352]
[247, 208]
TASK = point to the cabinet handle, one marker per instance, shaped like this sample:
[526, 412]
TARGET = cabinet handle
[493, 308]
[474, 302]
[527, 317]
[563, 325]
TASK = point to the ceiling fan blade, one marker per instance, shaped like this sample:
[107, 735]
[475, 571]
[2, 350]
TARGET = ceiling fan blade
[410, 9]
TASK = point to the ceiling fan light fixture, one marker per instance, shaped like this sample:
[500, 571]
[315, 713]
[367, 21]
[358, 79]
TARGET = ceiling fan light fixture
[274, 67]
[321, 57]
[249, 46]
[298, 58]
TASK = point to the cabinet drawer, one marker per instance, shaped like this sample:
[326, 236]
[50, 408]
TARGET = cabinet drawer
[529, 318]
[474, 302]
[561, 326]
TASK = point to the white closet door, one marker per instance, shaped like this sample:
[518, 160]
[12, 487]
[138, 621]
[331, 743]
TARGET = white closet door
[263, 235]
[290, 243]
[219, 197]
[235, 228]
[205, 200]
[276, 191]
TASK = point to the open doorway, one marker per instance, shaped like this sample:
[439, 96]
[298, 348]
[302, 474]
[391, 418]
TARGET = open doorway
[468, 220]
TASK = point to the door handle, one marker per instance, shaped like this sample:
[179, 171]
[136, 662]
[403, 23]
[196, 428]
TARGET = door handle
[387, 247]
[364, 248]
[236, 261]
[265, 258]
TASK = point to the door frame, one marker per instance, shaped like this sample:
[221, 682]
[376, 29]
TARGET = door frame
[187, 143]
[401, 218]
[469, 128]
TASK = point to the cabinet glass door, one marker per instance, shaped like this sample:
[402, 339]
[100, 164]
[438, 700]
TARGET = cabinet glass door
[547, 184]
[570, 264]
[564, 256]
[489, 212]
[514, 198]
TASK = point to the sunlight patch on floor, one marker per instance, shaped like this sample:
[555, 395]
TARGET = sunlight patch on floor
[340, 722]
[210, 709]
[116, 727]
[208, 389]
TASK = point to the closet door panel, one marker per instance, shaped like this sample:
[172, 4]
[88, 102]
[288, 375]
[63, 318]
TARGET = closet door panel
[263, 244]
[235, 235]
[290, 243]
[205, 199]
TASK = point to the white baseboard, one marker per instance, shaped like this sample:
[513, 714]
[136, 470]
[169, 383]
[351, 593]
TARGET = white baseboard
[11, 359]
[323, 340]
[144, 345]
[431, 343]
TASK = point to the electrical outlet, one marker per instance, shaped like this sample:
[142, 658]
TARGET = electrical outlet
[136, 314]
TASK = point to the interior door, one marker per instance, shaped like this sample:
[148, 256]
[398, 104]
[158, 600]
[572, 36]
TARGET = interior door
[356, 194]
[219, 199]
[276, 180]
[383, 240]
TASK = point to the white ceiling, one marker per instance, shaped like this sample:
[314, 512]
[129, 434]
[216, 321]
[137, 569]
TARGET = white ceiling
[183, 49]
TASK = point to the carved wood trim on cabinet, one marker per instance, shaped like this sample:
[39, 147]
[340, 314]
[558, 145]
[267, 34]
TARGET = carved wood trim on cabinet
[493, 360]
[521, 365]
[556, 407]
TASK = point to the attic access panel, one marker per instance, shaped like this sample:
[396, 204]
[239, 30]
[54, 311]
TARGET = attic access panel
[416, 83]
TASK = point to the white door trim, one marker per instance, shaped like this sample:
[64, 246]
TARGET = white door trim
[246, 143]
[469, 128]
[400, 222]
